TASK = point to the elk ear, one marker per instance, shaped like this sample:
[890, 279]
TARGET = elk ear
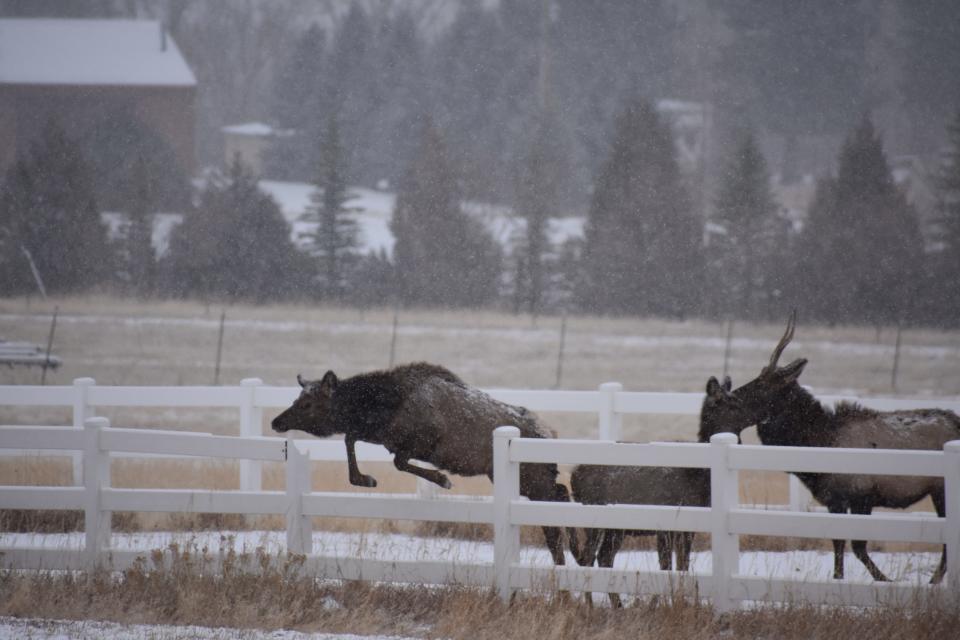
[303, 383]
[792, 371]
[713, 387]
[329, 383]
[727, 384]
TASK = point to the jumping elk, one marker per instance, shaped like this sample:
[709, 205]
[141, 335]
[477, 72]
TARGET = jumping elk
[786, 414]
[673, 486]
[422, 412]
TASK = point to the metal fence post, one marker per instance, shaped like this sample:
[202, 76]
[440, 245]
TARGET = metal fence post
[81, 411]
[96, 476]
[251, 424]
[725, 546]
[506, 488]
[951, 481]
[609, 423]
[299, 526]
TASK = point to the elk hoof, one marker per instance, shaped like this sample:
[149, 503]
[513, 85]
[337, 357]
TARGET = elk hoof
[364, 481]
[445, 482]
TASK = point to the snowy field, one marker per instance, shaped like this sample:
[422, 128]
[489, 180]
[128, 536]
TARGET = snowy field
[38, 629]
[913, 567]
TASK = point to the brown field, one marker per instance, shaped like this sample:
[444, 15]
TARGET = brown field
[123, 342]
[174, 343]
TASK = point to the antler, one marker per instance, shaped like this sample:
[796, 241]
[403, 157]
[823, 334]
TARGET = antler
[784, 341]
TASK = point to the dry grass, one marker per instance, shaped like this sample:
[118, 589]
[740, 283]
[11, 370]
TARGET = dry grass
[278, 595]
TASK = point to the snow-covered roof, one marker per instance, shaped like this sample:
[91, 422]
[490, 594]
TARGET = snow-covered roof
[90, 52]
[255, 129]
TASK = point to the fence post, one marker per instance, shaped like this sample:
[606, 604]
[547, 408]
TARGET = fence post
[251, 424]
[609, 423]
[724, 495]
[299, 526]
[506, 488]
[951, 481]
[81, 411]
[96, 476]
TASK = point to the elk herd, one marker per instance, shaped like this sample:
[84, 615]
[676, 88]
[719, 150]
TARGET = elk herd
[425, 412]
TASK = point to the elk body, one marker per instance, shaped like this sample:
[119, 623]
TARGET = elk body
[672, 486]
[786, 414]
[422, 412]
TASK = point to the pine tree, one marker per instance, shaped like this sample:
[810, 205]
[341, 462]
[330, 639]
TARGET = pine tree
[642, 252]
[861, 248]
[139, 259]
[442, 256]
[539, 189]
[746, 210]
[236, 245]
[947, 267]
[334, 240]
[48, 211]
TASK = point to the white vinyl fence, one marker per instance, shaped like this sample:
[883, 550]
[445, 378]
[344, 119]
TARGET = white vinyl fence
[609, 403]
[725, 520]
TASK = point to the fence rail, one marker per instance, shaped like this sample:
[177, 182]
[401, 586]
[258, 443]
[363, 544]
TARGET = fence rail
[725, 519]
[609, 402]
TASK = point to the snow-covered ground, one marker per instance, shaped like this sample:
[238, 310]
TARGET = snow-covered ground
[33, 629]
[913, 567]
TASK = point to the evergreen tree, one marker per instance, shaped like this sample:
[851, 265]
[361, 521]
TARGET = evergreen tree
[540, 185]
[236, 245]
[946, 299]
[861, 247]
[746, 210]
[442, 256]
[642, 252]
[138, 260]
[334, 240]
[49, 215]
[299, 95]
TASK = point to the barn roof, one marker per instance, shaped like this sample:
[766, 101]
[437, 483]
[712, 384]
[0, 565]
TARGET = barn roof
[90, 52]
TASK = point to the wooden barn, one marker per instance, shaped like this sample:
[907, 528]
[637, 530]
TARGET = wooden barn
[95, 75]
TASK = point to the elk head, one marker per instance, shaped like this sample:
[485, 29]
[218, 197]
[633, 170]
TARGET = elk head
[721, 411]
[762, 396]
[312, 411]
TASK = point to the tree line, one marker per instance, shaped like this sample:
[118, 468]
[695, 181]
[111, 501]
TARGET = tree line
[857, 256]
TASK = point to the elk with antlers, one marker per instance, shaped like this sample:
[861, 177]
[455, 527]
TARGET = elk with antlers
[786, 414]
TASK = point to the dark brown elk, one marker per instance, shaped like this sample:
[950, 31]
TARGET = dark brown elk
[422, 412]
[673, 486]
[786, 414]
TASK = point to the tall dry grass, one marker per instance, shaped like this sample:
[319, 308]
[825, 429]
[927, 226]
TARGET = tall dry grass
[278, 596]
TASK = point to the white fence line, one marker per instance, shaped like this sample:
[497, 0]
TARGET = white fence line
[725, 520]
[609, 403]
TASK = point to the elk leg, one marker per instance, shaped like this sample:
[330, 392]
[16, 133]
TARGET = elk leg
[940, 504]
[588, 552]
[432, 475]
[838, 546]
[356, 478]
[683, 550]
[665, 541]
[860, 547]
[554, 544]
[612, 540]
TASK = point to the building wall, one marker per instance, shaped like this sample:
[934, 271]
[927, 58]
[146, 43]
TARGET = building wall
[24, 109]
